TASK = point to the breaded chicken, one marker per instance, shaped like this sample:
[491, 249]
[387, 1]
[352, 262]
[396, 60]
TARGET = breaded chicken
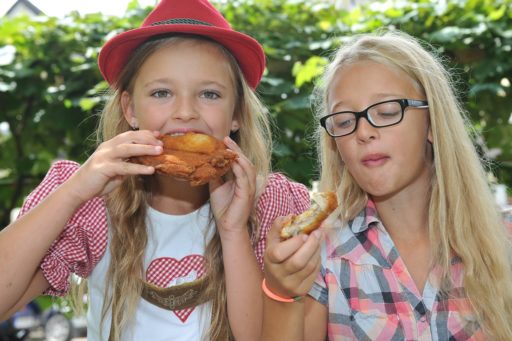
[322, 204]
[195, 157]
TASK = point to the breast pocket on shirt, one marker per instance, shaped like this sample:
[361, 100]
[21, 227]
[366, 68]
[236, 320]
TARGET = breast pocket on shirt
[376, 326]
[373, 313]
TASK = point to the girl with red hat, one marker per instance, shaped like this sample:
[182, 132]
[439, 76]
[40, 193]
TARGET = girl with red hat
[164, 260]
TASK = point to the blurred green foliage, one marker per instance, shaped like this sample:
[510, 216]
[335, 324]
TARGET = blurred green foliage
[51, 90]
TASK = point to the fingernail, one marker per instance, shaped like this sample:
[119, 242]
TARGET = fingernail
[158, 149]
[304, 237]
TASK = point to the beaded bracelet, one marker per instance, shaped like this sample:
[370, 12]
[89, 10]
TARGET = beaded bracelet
[276, 297]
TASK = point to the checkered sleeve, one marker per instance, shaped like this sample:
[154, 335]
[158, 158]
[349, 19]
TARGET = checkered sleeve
[319, 289]
[280, 198]
[83, 241]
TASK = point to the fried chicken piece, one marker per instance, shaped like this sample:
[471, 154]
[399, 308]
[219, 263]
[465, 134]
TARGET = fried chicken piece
[195, 157]
[322, 204]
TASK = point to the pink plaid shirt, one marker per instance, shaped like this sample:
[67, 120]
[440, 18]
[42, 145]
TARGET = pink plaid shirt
[83, 242]
[371, 296]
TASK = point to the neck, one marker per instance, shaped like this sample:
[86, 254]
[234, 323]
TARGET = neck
[405, 214]
[177, 197]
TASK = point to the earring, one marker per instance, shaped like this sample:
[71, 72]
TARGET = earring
[134, 124]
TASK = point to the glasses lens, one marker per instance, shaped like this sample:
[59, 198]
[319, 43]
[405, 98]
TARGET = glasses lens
[341, 124]
[385, 114]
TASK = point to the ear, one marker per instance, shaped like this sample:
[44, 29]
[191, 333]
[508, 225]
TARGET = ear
[430, 136]
[128, 112]
[235, 125]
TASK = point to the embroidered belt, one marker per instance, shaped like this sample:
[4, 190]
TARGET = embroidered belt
[186, 295]
[177, 297]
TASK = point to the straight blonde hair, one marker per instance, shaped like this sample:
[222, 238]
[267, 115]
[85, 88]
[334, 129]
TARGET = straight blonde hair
[463, 218]
[127, 204]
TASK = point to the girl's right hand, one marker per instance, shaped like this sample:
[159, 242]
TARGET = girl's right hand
[108, 165]
[291, 266]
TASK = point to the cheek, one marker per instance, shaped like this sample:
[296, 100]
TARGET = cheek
[345, 152]
[150, 120]
[218, 122]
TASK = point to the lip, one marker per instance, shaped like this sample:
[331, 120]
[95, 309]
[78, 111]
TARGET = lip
[374, 160]
[182, 131]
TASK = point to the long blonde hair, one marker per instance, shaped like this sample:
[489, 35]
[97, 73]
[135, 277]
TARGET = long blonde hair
[127, 205]
[463, 218]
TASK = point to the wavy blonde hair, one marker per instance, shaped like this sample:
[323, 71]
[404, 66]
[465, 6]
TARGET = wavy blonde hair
[127, 205]
[463, 218]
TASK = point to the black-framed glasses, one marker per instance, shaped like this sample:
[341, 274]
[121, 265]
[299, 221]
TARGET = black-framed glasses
[382, 114]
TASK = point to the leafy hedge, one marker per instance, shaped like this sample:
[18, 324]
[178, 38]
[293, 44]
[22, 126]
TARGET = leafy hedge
[51, 89]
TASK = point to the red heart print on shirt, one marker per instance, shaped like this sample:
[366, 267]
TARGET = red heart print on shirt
[162, 271]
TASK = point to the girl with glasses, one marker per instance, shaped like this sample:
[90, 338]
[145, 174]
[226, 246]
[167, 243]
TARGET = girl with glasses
[418, 250]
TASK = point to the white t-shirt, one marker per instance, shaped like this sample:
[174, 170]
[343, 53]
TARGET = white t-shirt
[174, 242]
[82, 249]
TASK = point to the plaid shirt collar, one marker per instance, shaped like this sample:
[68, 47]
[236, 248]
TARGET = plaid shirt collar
[365, 219]
[365, 241]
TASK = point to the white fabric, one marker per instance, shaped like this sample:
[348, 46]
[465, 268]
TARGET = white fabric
[170, 239]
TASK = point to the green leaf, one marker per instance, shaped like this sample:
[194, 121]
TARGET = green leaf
[88, 103]
[498, 13]
[307, 72]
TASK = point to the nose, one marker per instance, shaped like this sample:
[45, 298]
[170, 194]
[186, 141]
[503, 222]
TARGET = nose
[365, 131]
[184, 109]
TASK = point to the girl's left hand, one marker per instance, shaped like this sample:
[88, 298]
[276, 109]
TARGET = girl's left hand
[232, 201]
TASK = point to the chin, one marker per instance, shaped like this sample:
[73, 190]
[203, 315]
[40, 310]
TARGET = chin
[379, 193]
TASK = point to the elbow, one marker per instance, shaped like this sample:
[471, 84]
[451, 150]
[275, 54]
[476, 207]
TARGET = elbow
[4, 312]
[7, 312]
[4, 316]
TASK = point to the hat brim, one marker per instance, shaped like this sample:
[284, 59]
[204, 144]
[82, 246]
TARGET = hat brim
[246, 50]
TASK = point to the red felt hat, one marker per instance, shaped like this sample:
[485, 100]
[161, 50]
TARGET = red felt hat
[184, 16]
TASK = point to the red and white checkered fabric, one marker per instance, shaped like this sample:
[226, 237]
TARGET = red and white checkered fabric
[84, 240]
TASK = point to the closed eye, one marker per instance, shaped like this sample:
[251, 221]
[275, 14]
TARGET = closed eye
[343, 120]
[345, 123]
[389, 114]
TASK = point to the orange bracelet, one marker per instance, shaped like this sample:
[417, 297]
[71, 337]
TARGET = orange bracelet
[276, 297]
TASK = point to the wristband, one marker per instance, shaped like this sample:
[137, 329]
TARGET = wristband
[276, 297]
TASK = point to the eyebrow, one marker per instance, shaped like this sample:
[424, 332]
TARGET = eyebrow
[376, 98]
[157, 81]
[168, 81]
[214, 83]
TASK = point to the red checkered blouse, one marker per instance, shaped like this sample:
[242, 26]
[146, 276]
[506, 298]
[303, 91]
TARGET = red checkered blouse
[83, 242]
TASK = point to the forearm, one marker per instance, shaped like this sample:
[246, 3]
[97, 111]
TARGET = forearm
[282, 321]
[24, 243]
[38, 284]
[243, 280]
